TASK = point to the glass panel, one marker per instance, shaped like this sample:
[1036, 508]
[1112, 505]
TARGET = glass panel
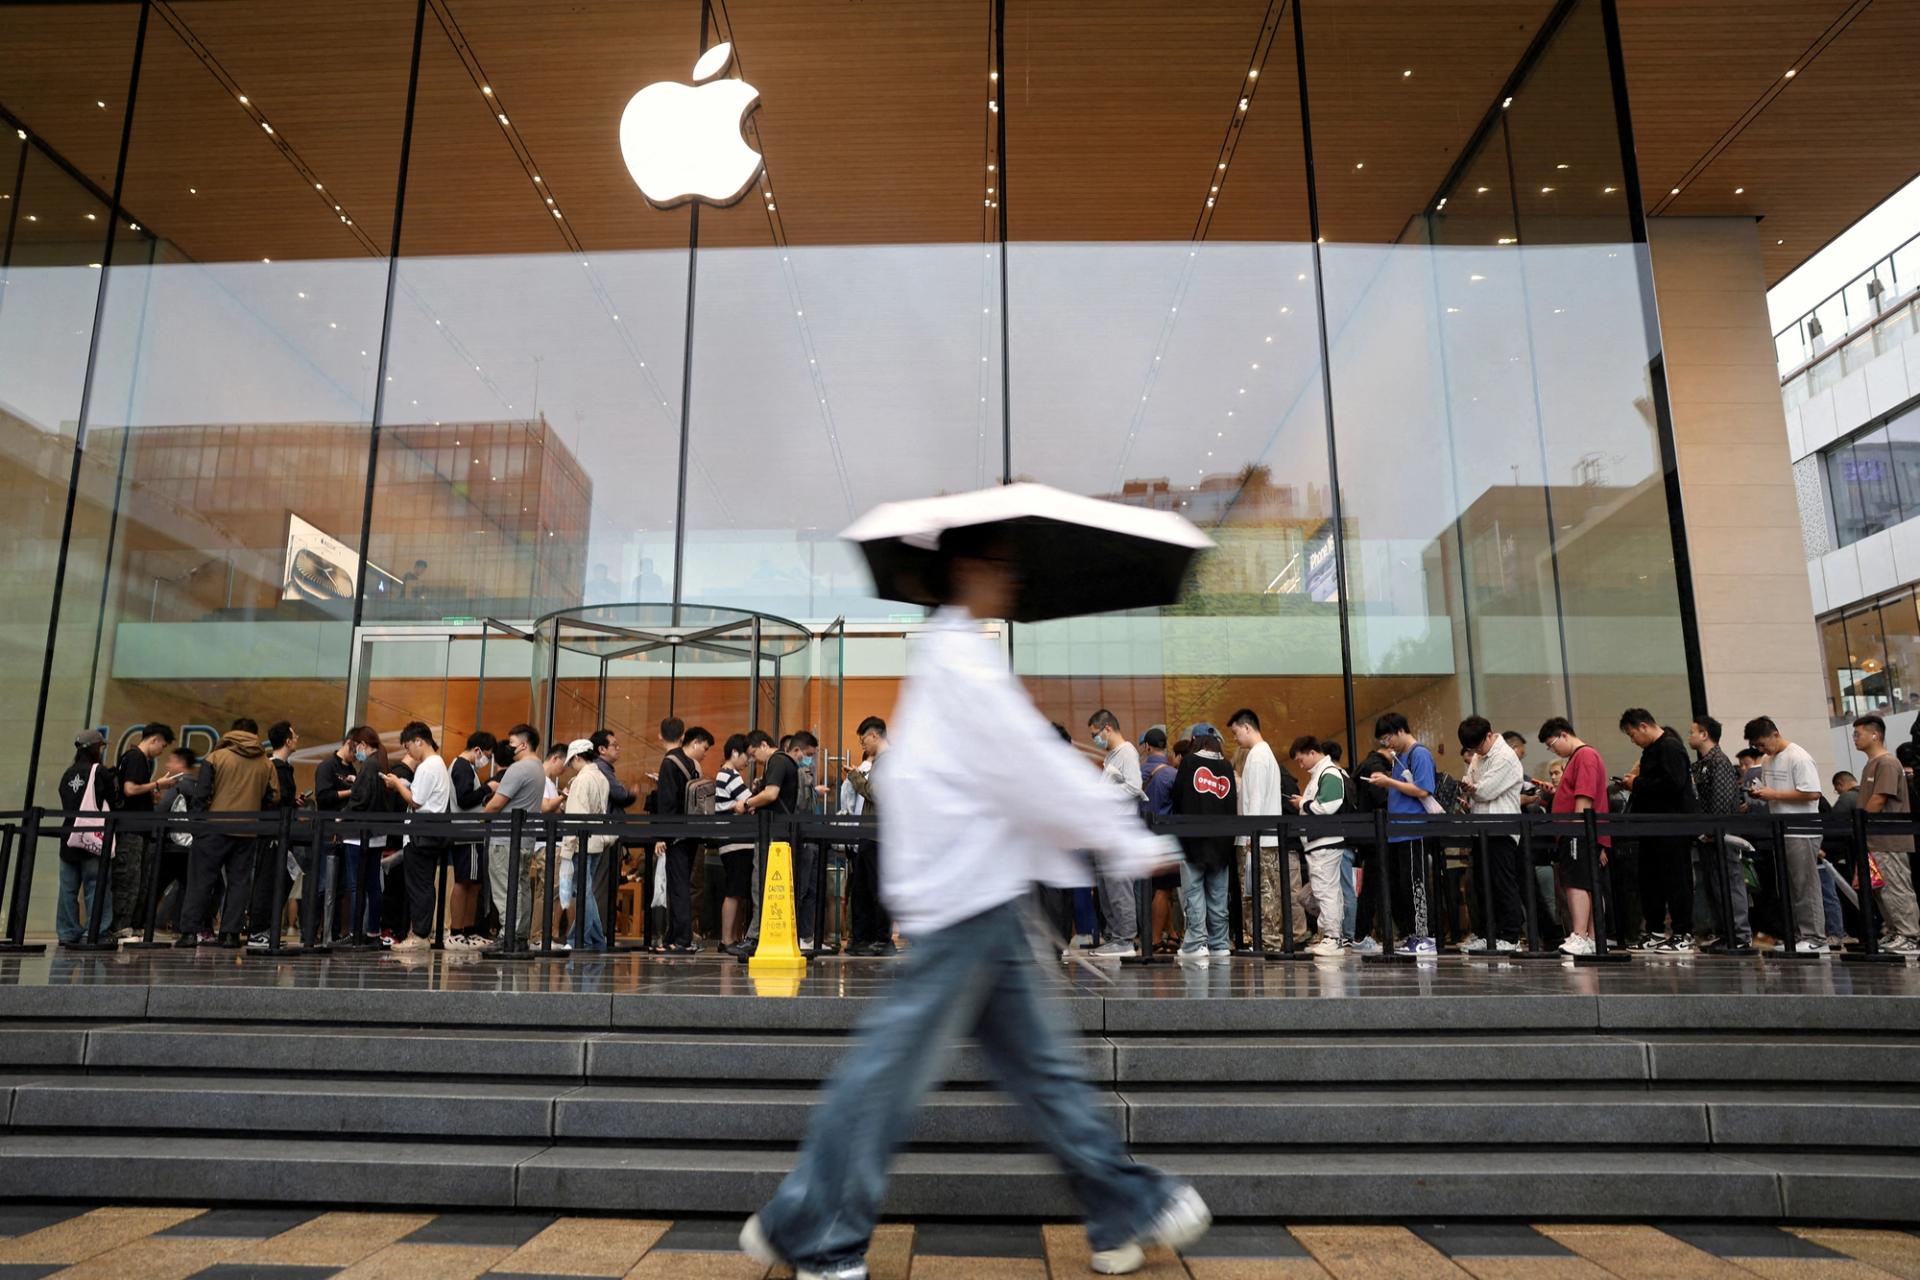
[529, 452]
[1900, 624]
[1860, 476]
[1903, 448]
[874, 367]
[1833, 644]
[1863, 686]
[1178, 368]
[53, 232]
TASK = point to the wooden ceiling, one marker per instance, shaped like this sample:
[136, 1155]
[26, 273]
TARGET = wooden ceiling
[874, 117]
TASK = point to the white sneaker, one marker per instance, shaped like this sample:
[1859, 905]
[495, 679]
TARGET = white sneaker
[1195, 959]
[1364, 947]
[259, 942]
[1474, 943]
[413, 942]
[1330, 947]
[1081, 940]
[1901, 946]
[1501, 944]
[1577, 944]
[1810, 948]
[1114, 951]
[754, 1243]
[1184, 1220]
[1220, 953]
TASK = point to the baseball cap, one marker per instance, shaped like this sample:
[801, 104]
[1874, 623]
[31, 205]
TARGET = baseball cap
[578, 747]
[90, 738]
[1204, 729]
[1149, 729]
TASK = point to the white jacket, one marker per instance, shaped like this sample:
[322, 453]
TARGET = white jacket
[1260, 790]
[1497, 778]
[960, 842]
[1311, 805]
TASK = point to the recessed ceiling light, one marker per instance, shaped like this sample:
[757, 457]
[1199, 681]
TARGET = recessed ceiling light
[1779, 241]
[1479, 191]
[1607, 191]
[1674, 192]
[1406, 73]
[1792, 72]
[1253, 74]
[103, 106]
[1546, 191]
[1360, 164]
[1505, 103]
[1739, 191]
[92, 218]
[487, 89]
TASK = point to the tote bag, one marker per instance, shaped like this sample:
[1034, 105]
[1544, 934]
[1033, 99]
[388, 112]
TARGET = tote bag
[85, 834]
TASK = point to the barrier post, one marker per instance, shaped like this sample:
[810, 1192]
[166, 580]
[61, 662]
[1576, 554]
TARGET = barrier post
[1283, 863]
[822, 882]
[1388, 953]
[442, 886]
[509, 946]
[583, 893]
[150, 893]
[550, 831]
[1602, 874]
[1870, 951]
[1529, 897]
[1250, 884]
[282, 886]
[1489, 934]
[1723, 873]
[16, 942]
[1783, 886]
[1143, 913]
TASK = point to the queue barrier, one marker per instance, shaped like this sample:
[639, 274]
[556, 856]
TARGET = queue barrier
[313, 841]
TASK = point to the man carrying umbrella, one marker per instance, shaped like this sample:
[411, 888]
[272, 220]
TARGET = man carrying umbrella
[960, 863]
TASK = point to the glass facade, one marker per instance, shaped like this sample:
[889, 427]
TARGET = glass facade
[1873, 477]
[332, 339]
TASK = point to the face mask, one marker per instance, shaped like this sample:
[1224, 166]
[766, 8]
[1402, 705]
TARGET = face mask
[360, 754]
[1100, 741]
[806, 762]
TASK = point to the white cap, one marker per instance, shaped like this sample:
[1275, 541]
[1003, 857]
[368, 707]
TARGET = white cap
[578, 747]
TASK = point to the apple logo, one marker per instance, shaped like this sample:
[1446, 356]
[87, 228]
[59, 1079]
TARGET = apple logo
[683, 142]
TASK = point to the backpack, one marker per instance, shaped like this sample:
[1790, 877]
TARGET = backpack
[1363, 796]
[1446, 791]
[700, 792]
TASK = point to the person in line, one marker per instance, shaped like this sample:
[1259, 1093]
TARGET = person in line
[1846, 799]
[520, 788]
[362, 895]
[174, 851]
[1366, 797]
[1264, 787]
[333, 780]
[236, 777]
[470, 795]
[1716, 785]
[804, 748]
[1409, 785]
[1789, 784]
[871, 926]
[1157, 774]
[736, 856]
[1329, 857]
[601, 866]
[1884, 789]
[82, 787]
[1662, 783]
[587, 793]
[1493, 784]
[959, 865]
[778, 794]
[679, 770]
[430, 791]
[273, 877]
[140, 791]
[1118, 905]
[1205, 786]
[1582, 786]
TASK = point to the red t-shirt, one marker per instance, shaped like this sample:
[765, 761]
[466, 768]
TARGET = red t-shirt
[1585, 775]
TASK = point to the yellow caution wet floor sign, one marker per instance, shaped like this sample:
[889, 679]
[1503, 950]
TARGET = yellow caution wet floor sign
[778, 954]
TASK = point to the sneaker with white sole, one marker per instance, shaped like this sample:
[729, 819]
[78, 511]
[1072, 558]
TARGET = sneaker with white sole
[1329, 947]
[1680, 944]
[1421, 946]
[1810, 948]
[1183, 1220]
[1577, 944]
[1194, 959]
[1220, 953]
[754, 1243]
[1504, 944]
[1114, 951]
[413, 942]
[1474, 942]
[1364, 947]
[259, 942]
[1901, 946]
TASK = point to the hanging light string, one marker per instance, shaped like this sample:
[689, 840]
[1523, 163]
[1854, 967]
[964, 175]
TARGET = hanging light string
[1216, 182]
[308, 177]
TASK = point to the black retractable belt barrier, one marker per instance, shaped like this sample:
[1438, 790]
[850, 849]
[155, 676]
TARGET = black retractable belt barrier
[1383, 896]
[1788, 948]
[16, 942]
[549, 889]
[442, 886]
[282, 886]
[1602, 874]
[1283, 860]
[150, 893]
[1250, 894]
[1870, 951]
[509, 946]
[821, 884]
[1529, 897]
[1722, 877]
[1489, 934]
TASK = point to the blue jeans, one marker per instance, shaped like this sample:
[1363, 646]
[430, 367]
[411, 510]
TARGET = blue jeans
[1203, 901]
[1350, 918]
[975, 976]
[76, 877]
[1830, 898]
[595, 936]
[363, 877]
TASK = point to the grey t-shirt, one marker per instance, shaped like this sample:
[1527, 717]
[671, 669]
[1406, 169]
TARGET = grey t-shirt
[524, 784]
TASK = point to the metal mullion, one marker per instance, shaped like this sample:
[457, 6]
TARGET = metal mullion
[686, 378]
[1326, 382]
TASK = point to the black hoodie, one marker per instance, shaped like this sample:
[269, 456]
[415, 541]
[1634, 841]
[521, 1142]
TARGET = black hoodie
[1665, 781]
[1206, 787]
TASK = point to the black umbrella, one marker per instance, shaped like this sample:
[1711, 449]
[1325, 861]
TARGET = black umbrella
[1077, 555]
